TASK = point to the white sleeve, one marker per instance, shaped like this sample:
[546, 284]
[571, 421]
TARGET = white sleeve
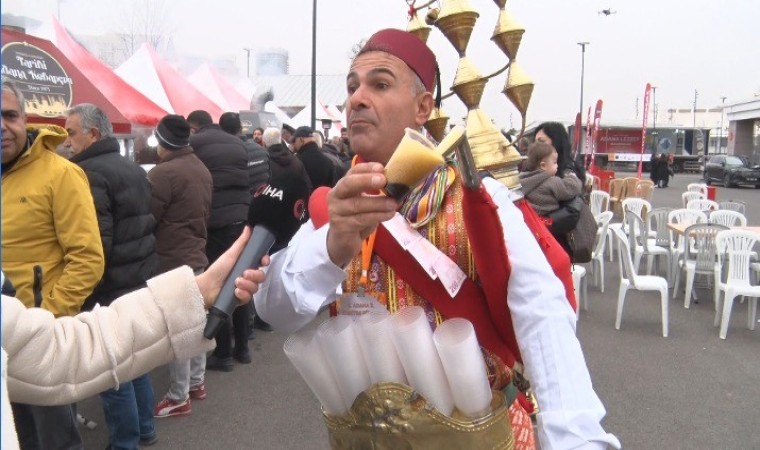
[300, 280]
[569, 410]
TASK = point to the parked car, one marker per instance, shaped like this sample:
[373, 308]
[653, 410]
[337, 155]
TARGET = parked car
[731, 171]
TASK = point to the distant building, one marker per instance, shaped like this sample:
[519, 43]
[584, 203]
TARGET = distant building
[293, 92]
[272, 62]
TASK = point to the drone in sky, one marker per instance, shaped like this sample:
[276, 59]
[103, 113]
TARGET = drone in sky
[607, 12]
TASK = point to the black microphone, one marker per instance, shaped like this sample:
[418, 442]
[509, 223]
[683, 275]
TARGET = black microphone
[276, 213]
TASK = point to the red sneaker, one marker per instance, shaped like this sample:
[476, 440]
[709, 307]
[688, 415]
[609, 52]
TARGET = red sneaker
[168, 408]
[198, 392]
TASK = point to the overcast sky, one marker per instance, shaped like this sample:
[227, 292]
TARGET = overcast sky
[677, 45]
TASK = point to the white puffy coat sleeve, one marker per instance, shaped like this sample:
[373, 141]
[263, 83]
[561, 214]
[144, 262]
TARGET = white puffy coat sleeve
[58, 361]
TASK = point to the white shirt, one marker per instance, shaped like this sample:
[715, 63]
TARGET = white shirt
[569, 410]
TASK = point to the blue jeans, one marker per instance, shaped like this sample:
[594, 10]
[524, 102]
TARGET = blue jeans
[129, 413]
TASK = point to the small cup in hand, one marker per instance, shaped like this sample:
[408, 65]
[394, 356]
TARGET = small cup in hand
[414, 159]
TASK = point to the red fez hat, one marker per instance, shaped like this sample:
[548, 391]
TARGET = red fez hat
[408, 48]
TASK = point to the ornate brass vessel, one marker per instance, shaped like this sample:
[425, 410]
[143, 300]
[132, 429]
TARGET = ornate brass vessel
[490, 149]
[392, 416]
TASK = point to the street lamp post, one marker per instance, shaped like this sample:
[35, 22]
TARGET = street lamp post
[654, 120]
[248, 61]
[583, 71]
[720, 135]
[314, 65]
[326, 125]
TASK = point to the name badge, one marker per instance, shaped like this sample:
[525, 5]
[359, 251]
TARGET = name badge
[357, 304]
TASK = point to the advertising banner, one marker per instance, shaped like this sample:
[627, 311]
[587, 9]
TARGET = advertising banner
[577, 134]
[619, 140]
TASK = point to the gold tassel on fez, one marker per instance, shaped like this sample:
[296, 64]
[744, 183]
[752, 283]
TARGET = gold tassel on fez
[414, 159]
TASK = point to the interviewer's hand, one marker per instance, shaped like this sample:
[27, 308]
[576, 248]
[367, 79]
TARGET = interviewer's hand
[354, 212]
[247, 283]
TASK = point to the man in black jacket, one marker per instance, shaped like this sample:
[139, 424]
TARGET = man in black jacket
[258, 158]
[122, 196]
[225, 157]
[320, 168]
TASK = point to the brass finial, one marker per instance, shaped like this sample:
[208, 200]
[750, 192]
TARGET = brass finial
[468, 83]
[456, 21]
[418, 27]
[508, 34]
[518, 88]
[436, 124]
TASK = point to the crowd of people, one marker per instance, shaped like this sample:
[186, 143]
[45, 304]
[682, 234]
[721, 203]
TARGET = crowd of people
[79, 234]
[96, 234]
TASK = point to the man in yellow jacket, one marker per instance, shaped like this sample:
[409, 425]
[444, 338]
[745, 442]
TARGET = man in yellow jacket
[51, 248]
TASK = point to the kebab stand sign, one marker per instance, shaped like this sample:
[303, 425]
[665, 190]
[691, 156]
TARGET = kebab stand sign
[46, 86]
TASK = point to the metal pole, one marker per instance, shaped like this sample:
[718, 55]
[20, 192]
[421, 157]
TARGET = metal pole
[696, 94]
[583, 72]
[314, 65]
[247, 62]
[654, 120]
[720, 135]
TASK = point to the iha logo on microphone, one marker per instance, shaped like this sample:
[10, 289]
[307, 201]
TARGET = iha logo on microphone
[269, 191]
[299, 210]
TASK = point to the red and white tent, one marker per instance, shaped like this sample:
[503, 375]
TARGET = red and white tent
[280, 114]
[217, 88]
[303, 118]
[136, 107]
[50, 82]
[156, 79]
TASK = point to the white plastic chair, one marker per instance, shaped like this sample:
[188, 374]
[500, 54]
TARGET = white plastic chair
[599, 202]
[630, 280]
[737, 245]
[733, 205]
[597, 256]
[593, 181]
[702, 204]
[639, 206]
[683, 217]
[658, 222]
[642, 244]
[697, 187]
[579, 286]
[700, 257]
[688, 196]
[728, 218]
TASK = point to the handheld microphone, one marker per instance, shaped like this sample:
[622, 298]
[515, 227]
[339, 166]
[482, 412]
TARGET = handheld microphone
[277, 211]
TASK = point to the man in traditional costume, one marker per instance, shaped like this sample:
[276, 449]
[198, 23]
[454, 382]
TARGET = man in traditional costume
[510, 292]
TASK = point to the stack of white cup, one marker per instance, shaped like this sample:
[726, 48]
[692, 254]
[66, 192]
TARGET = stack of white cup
[343, 358]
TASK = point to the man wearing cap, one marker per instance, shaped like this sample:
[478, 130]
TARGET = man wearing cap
[287, 134]
[258, 158]
[122, 198]
[181, 205]
[389, 88]
[321, 170]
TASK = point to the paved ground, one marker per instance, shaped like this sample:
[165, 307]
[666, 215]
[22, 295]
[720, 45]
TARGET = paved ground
[690, 390]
